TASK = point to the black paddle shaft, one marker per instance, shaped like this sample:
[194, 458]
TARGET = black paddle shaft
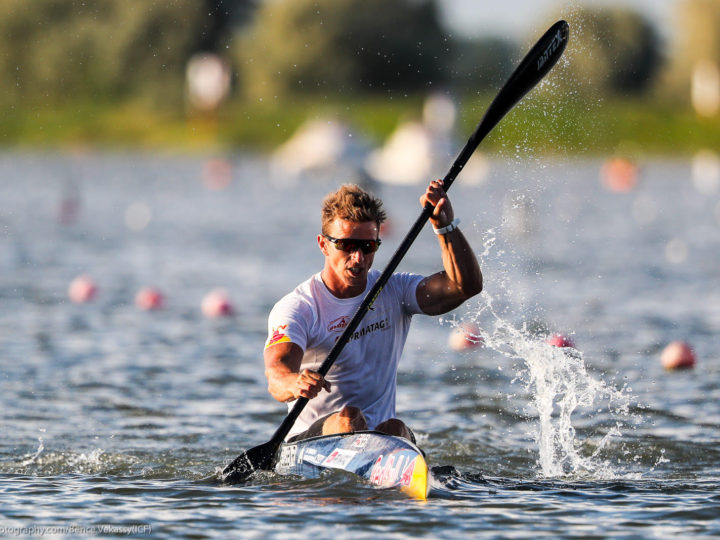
[536, 64]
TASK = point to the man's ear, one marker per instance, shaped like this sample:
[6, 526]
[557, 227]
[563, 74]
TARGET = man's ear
[322, 244]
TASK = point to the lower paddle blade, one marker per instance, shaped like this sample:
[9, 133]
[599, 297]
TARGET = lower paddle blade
[259, 458]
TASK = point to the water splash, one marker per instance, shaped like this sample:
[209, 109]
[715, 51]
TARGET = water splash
[46, 462]
[560, 388]
[561, 391]
[31, 458]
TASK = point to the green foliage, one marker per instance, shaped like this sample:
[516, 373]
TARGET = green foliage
[219, 21]
[611, 50]
[264, 125]
[342, 46]
[55, 51]
[539, 125]
[483, 63]
[113, 72]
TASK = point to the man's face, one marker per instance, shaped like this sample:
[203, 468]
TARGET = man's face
[346, 272]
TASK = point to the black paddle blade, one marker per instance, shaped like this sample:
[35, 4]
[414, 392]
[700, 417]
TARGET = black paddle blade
[533, 67]
[259, 458]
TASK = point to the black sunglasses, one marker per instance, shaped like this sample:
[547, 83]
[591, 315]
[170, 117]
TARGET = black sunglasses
[353, 244]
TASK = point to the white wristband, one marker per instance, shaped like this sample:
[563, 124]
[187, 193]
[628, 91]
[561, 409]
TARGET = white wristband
[448, 228]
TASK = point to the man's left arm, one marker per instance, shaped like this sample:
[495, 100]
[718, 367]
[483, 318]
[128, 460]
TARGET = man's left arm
[461, 278]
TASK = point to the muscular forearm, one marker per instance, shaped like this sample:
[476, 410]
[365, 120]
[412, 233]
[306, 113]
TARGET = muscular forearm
[281, 382]
[462, 270]
[460, 279]
[286, 381]
[282, 369]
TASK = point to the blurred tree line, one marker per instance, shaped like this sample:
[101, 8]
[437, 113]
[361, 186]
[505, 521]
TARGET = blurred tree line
[58, 51]
[55, 52]
[614, 51]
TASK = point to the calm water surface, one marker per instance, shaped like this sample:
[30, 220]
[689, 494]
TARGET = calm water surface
[115, 420]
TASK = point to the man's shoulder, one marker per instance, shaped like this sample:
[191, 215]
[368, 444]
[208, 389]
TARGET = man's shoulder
[405, 278]
[395, 277]
[403, 288]
[300, 296]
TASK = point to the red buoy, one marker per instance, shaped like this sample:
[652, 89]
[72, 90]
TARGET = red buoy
[619, 175]
[217, 304]
[465, 336]
[558, 340]
[149, 298]
[678, 355]
[82, 289]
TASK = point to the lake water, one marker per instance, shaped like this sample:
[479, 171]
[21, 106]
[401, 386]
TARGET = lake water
[114, 418]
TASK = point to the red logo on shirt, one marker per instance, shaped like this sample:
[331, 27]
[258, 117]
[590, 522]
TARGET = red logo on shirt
[277, 336]
[338, 325]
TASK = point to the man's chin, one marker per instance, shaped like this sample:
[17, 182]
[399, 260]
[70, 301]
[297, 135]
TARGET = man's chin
[356, 279]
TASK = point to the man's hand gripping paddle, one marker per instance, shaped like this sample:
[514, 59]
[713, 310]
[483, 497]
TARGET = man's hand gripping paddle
[536, 64]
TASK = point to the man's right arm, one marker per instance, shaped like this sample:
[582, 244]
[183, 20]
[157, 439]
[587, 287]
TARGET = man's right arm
[285, 381]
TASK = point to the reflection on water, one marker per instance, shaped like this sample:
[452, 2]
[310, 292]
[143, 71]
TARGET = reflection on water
[129, 411]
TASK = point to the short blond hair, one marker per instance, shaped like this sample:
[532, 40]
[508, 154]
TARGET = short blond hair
[351, 203]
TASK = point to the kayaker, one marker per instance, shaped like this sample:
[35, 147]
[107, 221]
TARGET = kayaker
[358, 392]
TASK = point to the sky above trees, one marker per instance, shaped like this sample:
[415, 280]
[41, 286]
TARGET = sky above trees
[515, 18]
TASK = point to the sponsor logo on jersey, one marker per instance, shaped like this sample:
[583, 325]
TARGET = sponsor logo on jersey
[278, 336]
[339, 324]
[382, 324]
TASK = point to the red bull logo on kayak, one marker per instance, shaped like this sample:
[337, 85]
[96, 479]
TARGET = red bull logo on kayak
[394, 469]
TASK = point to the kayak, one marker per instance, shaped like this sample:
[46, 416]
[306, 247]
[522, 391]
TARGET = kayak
[382, 460]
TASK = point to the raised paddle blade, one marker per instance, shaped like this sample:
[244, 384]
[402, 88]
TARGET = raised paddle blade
[259, 458]
[531, 70]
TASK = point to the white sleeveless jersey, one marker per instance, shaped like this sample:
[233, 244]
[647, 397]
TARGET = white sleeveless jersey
[365, 373]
